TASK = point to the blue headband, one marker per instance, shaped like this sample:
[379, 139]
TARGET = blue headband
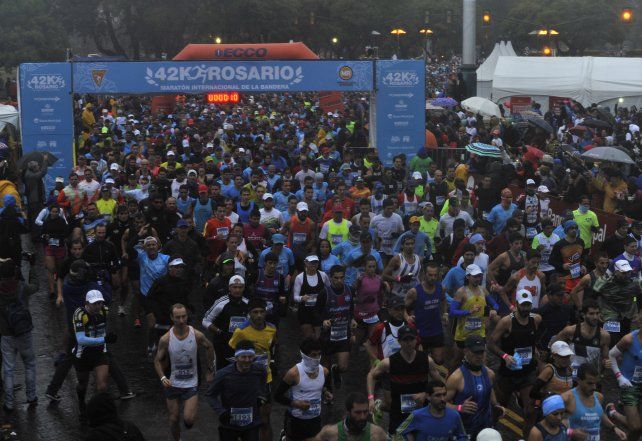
[570, 223]
[552, 403]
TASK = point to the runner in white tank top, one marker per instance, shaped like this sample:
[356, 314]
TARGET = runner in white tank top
[402, 272]
[528, 278]
[308, 389]
[532, 284]
[182, 357]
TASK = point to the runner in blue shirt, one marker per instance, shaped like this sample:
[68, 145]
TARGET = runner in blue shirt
[501, 212]
[435, 422]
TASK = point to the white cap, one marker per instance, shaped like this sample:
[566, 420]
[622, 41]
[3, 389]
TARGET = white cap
[94, 296]
[60, 179]
[176, 262]
[473, 270]
[312, 258]
[561, 348]
[416, 175]
[136, 132]
[267, 196]
[542, 189]
[489, 434]
[114, 166]
[237, 280]
[110, 181]
[530, 182]
[301, 206]
[241, 150]
[524, 295]
[623, 266]
[171, 153]
[192, 172]
[185, 142]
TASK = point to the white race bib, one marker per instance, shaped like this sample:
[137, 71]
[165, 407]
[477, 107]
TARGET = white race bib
[526, 354]
[241, 416]
[611, 326]
[408, 403]
[575, 270]
[338, 333]
[236, 322]
[312, 300]
[53, 242]
[472, 323]
[299, 238]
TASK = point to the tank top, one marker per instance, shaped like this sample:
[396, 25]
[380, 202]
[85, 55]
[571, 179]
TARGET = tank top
[311, 291]
[390, 339]
[342, 436]
[182, 357]
[592, 290]
[520, 340]
[534, 286]
[427, 312]
[244, 213]
[406, 268]
[337, 233]
[299, 234]
[479, 388]
[631, 366]
[366, 298]
[547, 436]
[406, 380]
[338, 311]
[267, 288]
[515, 264]
[586, 418]
[202, 212]
[308, 389]
[410, 207]
[472, 323]
[559, 383]
[586, 350]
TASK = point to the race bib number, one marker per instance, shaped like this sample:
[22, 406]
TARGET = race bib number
[472, 323]
[611, 326]
[371, 320]
[337, 239]
[531, 232]
[262, 360]
[408, 403]
[315, 408]
[222, 232]
[637, 375]
[312, 300]
[338, 333]
[241, 416]
[484, 215]
[440, 200]
[593, 435]
[526, 354]
[53, 242]
[236, 322]
[184, 372]
[269, 307]
[299, 238]
[575, 270]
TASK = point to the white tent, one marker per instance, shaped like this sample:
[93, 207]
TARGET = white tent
[486, 70]
[586, 80]
[8, 114]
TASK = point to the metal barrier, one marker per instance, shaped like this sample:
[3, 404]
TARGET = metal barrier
[446, 155]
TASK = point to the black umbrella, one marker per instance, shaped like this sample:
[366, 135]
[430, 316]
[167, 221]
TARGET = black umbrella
[596, 123]
[37, 156]
[539, 123]
[605, 115]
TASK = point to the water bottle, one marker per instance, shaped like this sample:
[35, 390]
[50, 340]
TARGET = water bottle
[518, 362]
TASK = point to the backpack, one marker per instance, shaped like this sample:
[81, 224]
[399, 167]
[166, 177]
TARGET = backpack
[19, 319]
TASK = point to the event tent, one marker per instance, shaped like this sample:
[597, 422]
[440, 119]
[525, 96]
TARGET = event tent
[8, 114]
[486, 70]
[586, 80]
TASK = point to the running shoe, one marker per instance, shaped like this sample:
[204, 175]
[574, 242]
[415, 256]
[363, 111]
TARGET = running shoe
[128, 396]
[137, 323]
[121, 311]
[53, 397]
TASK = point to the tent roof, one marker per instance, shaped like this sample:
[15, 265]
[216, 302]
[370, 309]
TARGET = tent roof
[586, 80]
[487, 69]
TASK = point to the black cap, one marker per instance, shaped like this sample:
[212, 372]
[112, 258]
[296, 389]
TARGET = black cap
[406, 331]
[475, 343]
[396, 302]
[365, 236]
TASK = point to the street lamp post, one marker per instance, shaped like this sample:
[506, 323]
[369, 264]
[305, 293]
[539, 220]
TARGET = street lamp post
[335, 42]
[427, 33]
[398, 32]
[218, 40]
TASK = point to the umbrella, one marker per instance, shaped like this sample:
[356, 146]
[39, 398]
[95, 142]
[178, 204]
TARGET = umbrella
[444, 102]
[481, 149]
[534, 152]
[37, 156]
[483, 106]
[430, 106]
[610, 154]
[578, 130]
[431, 140]
[538, 122]
[521, 125]
[605, 115]
[596, 123]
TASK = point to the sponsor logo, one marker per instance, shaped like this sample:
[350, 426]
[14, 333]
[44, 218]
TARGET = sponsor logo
[98, 76]
[400, 78]
[345, 73]
[203, 76]
[239, 52]
[46, 82]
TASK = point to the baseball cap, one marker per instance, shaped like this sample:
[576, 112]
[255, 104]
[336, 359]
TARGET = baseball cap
[570, 224]
[475, 238]
[236, 280]
[473, 270]
[542, 189]
[416, 175]
[182, 223]
[414, 219]
[176, 262]
[192, 172]
[267, 196]
[226, 258]
[396, 302]
[489, 434]
[406, 331]
[312, 258]
[301, 206]
[171, 153]
[114, 166]
[561, 348]
[530, 182]
[475, 343]
[278, 239]
[94, 296]
[60, 179]
[202, 188]
[623, 266]
[523, 295]
[109, 181]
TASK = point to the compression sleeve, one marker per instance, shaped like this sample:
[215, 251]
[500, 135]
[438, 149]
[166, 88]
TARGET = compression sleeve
[614, 353]
[83, 340]
[281, 394]
[491, 301]
[455, 310]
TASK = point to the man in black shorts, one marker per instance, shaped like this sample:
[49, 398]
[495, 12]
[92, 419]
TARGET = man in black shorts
[90, 326]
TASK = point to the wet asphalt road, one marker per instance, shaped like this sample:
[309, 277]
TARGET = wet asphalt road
[59, 421]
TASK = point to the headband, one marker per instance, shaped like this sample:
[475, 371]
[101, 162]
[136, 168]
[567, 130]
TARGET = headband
[241, 352]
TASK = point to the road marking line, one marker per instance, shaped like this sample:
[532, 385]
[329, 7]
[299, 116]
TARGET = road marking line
[506, 423]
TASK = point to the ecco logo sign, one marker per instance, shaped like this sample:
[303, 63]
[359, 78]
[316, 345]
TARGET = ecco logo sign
[240, 52]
